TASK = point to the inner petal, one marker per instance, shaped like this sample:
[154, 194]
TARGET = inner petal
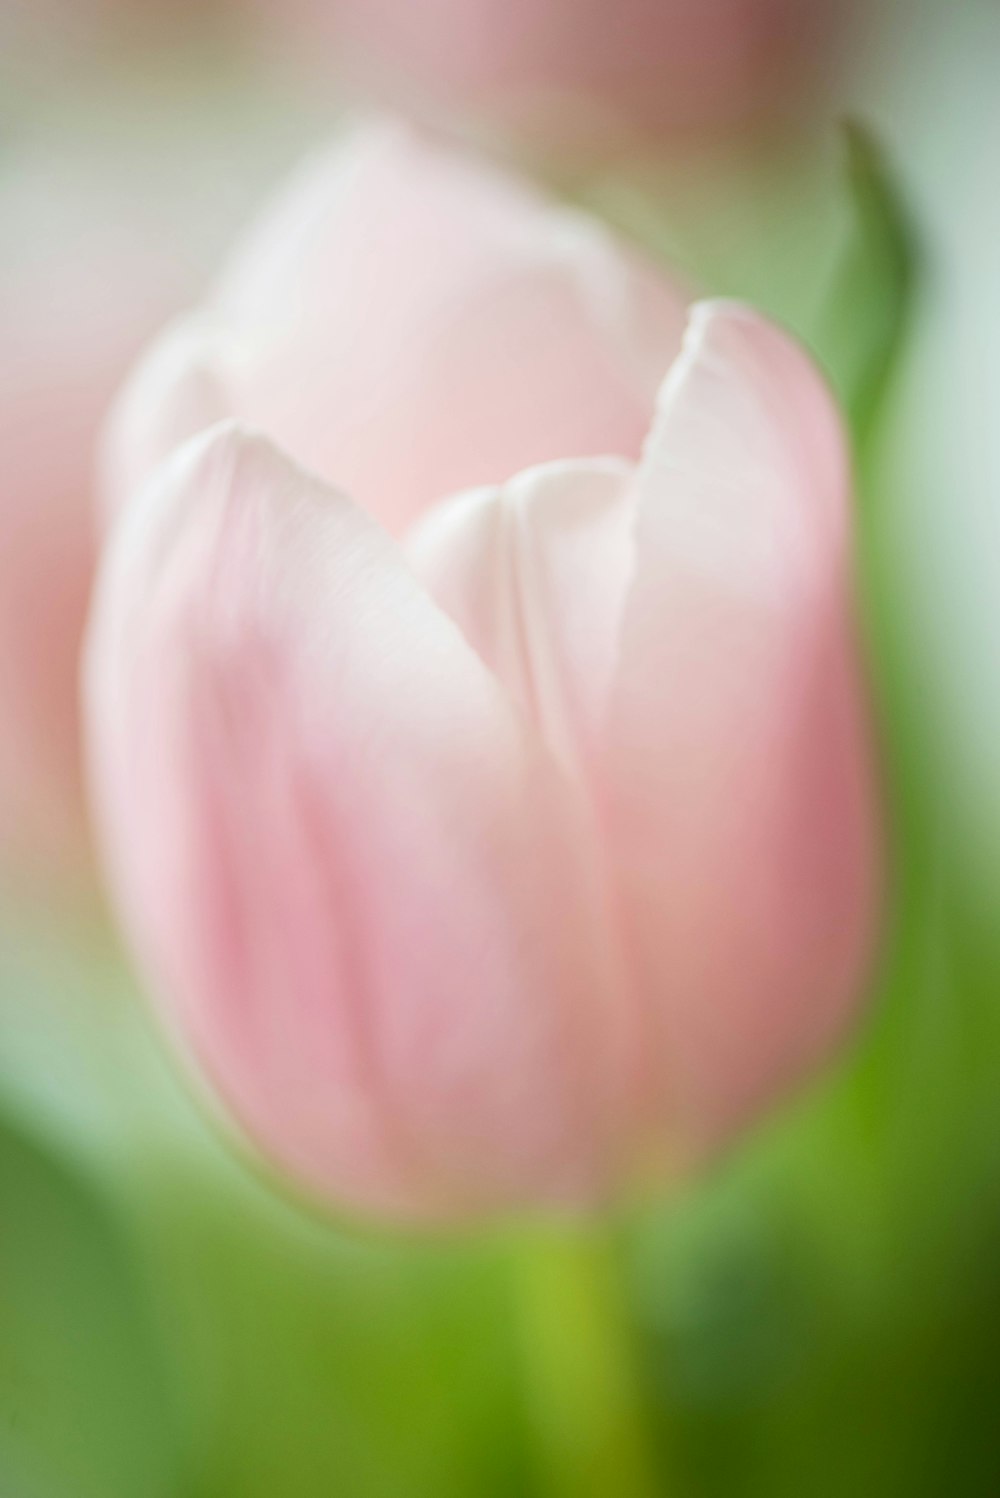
[535, 573]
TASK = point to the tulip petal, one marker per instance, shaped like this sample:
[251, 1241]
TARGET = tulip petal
[179, 389]
[415, 324]
[536, 574]
[741, 813]
[365, 891]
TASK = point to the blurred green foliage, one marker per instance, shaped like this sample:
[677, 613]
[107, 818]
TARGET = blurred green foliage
[861, 329]
[84, 1406]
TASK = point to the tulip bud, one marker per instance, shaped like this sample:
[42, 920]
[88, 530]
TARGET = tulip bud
[506, 862]
[359, 309]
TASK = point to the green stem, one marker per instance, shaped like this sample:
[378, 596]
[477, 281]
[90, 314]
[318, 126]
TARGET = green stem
[584, 1390]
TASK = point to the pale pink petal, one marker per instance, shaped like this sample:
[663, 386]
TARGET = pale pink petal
[412, 323]
[536, 574]
[363, 889]
[179, 389]
[739, 802]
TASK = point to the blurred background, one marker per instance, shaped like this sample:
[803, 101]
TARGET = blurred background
[821, 1315]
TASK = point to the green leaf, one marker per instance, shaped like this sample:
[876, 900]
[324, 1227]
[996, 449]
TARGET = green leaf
[866, 314]
[85, 1410]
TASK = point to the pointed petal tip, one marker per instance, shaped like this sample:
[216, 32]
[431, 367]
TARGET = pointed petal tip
[742, 386]
[179, 389]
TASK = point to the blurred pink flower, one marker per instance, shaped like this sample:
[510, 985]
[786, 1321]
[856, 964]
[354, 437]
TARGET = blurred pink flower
[97, 248]
[82, 284]
[579, 72]
[503, 862]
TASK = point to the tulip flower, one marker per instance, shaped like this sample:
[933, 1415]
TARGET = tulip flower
[478, 735]
[577, 73]
[370, 290]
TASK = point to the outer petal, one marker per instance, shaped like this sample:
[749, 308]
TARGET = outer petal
[536, 574]
[180, 388]
[740, 806]
[412, 324]
[362, 887]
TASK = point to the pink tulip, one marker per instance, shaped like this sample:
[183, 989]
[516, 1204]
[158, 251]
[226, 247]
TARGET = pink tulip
[578, 72]
[531, 852]
[369, 292]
